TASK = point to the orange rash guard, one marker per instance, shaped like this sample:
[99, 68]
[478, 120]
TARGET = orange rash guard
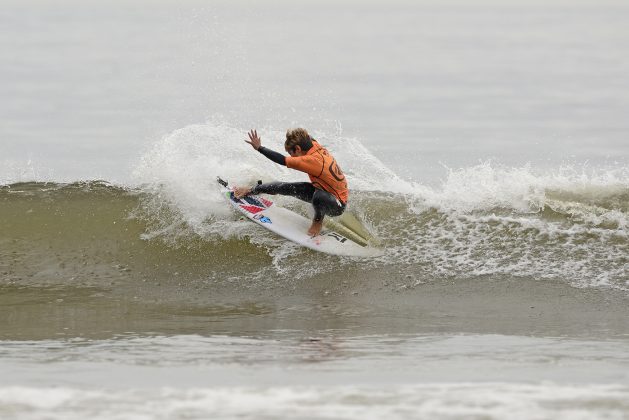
[322, 169]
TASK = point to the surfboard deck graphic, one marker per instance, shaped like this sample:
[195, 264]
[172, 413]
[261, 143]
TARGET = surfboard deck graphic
[293, 226]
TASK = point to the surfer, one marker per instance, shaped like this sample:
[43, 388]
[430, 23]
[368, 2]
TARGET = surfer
[327, 189]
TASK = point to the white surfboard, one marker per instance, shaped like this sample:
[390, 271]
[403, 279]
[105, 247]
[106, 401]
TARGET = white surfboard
[293, 226]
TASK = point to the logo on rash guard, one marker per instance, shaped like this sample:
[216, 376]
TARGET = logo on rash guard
[262, 218]
[336, 172]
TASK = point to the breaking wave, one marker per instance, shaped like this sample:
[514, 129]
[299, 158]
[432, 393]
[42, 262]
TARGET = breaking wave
[569, 224]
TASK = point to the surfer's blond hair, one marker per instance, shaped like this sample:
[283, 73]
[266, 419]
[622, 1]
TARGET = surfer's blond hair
[298, 137]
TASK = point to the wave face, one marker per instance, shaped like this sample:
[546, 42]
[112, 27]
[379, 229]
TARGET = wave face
[487, 220]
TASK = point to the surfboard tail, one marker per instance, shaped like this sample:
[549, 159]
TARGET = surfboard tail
[349, 226]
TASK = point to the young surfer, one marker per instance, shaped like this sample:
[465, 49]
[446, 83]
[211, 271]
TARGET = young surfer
[327, 189]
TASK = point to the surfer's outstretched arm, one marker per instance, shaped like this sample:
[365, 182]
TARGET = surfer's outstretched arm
[256, 142]
[273, 155]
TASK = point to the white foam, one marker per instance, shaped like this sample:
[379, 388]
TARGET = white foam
[491, 219]
[287, 375]
[183, 166]
[488, 186]
[445, 400]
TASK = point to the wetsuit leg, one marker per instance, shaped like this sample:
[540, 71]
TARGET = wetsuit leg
[325, 203]
[302, 190]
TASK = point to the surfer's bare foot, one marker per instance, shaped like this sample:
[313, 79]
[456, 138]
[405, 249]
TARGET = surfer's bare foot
[240, 192]
[315, 228]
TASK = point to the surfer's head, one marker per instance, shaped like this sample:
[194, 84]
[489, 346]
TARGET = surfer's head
[298, 142]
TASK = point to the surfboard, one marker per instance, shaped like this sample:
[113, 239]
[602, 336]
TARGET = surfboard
[294, 226]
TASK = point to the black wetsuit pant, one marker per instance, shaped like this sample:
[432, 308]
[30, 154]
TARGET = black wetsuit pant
[323, 202]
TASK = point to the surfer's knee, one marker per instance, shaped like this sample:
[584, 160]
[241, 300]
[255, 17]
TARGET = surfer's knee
[327, 203]
[319, 200]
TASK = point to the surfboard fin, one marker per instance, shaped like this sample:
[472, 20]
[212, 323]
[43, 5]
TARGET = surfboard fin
[349, 226]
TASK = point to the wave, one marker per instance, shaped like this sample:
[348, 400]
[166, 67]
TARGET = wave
[579, 238]
[569, 223]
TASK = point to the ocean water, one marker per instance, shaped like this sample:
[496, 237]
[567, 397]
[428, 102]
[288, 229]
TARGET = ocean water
[486, 145]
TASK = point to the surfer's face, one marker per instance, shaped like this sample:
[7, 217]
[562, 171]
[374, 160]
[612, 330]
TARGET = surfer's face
[294, 151]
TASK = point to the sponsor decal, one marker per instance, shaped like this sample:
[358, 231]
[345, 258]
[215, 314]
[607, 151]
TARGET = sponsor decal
[251, 209]
[266, 202]
[336, 236]
[262, 218]
[252, 200]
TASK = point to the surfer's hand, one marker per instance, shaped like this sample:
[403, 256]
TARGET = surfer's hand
[255, 142]
[240, 192]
